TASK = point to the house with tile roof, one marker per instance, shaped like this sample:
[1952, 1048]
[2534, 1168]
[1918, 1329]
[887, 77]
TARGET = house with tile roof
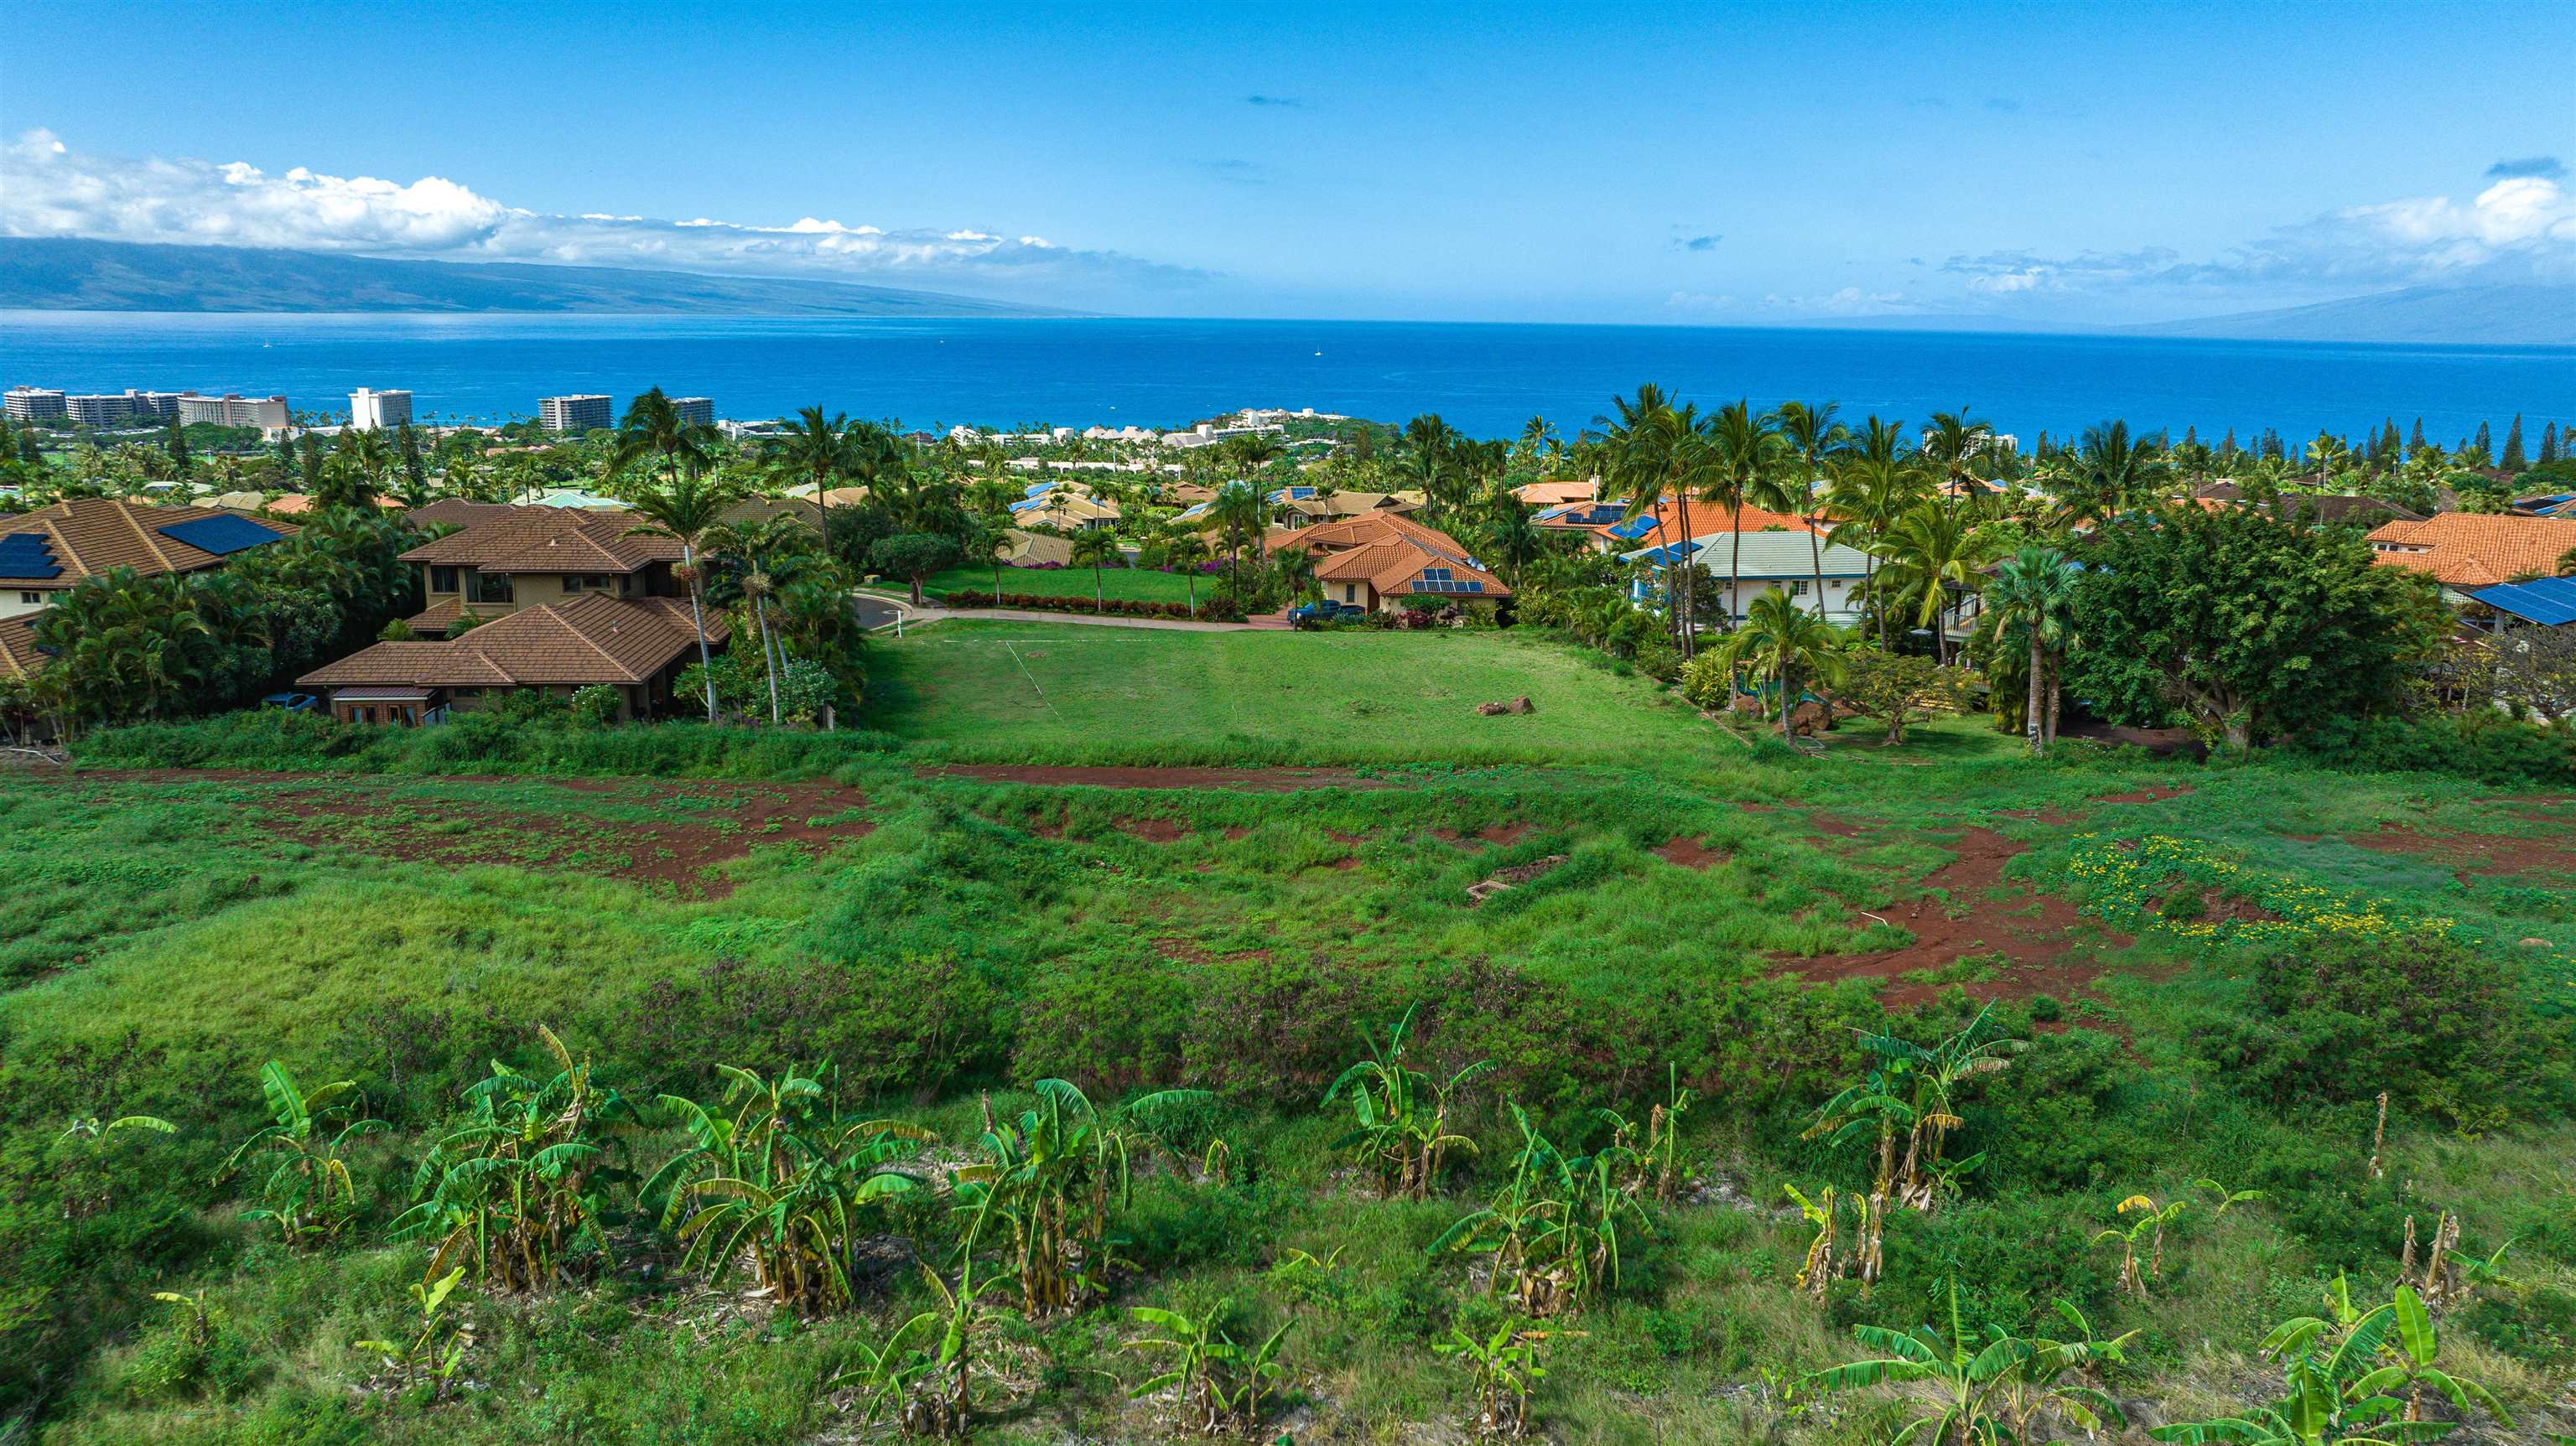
[48, 552]
[1609, 527]
[1385, 562]
[2468, 550]
[637, 645]
[1786, 560]
[509, 558]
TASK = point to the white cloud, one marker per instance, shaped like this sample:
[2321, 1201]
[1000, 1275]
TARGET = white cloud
[2519, 228]
[47, 189]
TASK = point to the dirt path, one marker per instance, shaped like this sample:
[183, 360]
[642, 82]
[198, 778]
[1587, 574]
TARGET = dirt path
[2034, 934]
[1255, 780]
[589, 825]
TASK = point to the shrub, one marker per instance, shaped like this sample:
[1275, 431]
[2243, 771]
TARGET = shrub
[2343, 1016]
[2488, 747]
[596, 705]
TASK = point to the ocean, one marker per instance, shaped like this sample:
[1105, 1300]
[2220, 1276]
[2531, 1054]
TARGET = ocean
[1485, 379]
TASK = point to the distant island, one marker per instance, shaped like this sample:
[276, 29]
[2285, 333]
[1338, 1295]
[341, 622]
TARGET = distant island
[64, 274]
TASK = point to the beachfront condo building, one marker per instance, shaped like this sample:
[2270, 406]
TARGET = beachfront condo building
[696, 411]
[373, 411]
[30, 404]
[232, 409]
[573, 413]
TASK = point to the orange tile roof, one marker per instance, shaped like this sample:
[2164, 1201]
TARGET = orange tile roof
[594, 638]
[2471, 549]
[1389, 552]
[91, 535]
[549, 539]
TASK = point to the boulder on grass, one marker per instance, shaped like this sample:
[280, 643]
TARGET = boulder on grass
[1522, 704]
[1492, 710]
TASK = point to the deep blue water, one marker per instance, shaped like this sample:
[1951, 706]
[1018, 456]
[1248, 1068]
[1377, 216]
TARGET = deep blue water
[1485, 379]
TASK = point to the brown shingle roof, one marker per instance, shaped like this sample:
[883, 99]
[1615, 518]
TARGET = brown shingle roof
[549, 539]
[1390, 553]
[2470, 549]
[594, 638]
[18, 655]
[90, 535]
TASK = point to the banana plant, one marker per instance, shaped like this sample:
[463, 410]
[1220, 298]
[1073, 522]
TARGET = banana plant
[1401, 1114]
[924, 1375]
[2336, 1384]
[2151, 1221]
[1051, 1175]
[437, 1345]
[1553, 1227]
[309, 1195]
[786, 1181]
[2227, 1197]
[1819, 1267]
[1501, 1368]
[518, 1188]
[2052, 1379]
[1969, 1383]
[1658, 1168]
[1218, 1383]
[86, 1189]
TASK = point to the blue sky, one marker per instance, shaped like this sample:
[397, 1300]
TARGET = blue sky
[1738, 164]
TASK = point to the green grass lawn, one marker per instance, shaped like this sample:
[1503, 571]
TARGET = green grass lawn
[161, 935]
[1019, 692]
[1128, 583]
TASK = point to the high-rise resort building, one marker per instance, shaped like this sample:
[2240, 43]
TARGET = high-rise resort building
[696, 411]
[29, 404]
[232, 409]
[108, 408]
[572, 414]
[371, 411]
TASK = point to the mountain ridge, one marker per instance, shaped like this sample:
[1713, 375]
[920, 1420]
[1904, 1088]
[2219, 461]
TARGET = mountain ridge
[71, 274]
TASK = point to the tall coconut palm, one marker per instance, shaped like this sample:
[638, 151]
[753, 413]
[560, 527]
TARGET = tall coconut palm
[2031, 598]
[687, 508]
[1750, 452]
[1784, 643]
[1950, 448]
[1929, 550]
[1183, 554]
[1869, 493]
[814, 450]
[2111, 474]
[1238, 509]
[1815, 442]
[1095, 548]
[1658, 455]
[654, 428]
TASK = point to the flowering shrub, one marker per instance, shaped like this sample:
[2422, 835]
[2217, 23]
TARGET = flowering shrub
[1052, 602]
[2128, 885]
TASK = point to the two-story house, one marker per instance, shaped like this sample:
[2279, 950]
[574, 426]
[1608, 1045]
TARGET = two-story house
[510, 558]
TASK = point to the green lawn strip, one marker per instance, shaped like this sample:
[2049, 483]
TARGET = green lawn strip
[1115, 583]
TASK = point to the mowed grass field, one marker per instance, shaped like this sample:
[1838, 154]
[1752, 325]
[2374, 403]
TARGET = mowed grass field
[1684, 899]
[1133, 584]
[1018, 692]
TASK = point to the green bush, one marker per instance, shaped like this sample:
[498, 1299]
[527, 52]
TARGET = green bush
[595, 706]
[2488, 747]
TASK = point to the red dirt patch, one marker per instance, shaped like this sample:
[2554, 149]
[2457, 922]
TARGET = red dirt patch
[2489, 855]
[1235, 831]
[1154, 830]
[2031, 932]
[1339, 837]
[1690, 851]
[1257, 780]
[2039, 815]
[1496, 833]
[1827, 824]
[2154, 793]
[693, 827]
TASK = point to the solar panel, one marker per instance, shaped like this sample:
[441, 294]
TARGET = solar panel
[2549, 601]
[1635, 527]
[223, 535]
[28, 554]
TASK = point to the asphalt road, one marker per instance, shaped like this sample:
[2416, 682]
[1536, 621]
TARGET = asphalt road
[875, 612]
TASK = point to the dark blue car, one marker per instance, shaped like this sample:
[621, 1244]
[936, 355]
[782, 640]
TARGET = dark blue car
[291, 702]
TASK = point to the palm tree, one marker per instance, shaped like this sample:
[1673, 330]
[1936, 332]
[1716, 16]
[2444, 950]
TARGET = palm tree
[652, 427]
[1787, 644]
[814, 450]
[2111, 475]
[1812, 436]
[1095, 547]
[1295, 569]
[1184, 554]
[2031, 597]
[688, 508]
[1238, 509]
[1749, 452]
[1951, 447]
[1870, 493]
[1657, 455]
[759, 549]
[1929, 550]
[1536, 433]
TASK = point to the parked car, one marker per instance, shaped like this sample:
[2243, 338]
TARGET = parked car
[291, 702]
[1307, 615]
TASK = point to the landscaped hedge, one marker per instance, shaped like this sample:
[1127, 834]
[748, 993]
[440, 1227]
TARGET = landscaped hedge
[483, 742]
[1055, 603]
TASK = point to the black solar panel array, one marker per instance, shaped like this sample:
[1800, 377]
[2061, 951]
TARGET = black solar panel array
[28, 555]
